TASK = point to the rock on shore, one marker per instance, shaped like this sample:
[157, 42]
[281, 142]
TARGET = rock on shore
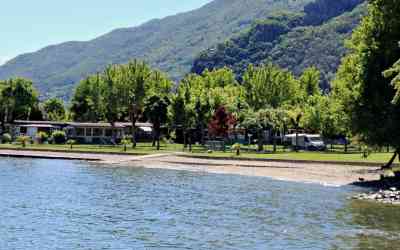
[391, 196]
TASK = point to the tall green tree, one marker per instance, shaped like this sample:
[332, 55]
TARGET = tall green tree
[18, 99]
[269, 86]
[156, 109]
[135, 83]
[88, 104]
[394, 73]
[113, 92]
[54, 109]
[310, 82]
[374, 49]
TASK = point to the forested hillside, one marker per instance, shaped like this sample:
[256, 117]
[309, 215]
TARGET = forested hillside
[169, 44]
[291, 40]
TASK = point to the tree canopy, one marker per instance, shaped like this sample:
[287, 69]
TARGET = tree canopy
[363, 89]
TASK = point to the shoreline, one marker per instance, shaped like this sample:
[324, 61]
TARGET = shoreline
[327, 174]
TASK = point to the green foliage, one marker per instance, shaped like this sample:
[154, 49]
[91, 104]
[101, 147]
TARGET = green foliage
[366, 93]
[6, 138]
[125, 142]
[58, 137]
[394, 73]
[324, 115]
[41, 137]
[313, 39]
[88, 101]
[54, 109]
[71, 143]
[19, 100]
[269, 86]
[23, 140]
[156, 110]
[310, 82]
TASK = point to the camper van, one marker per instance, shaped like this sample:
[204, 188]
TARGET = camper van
[306, 141]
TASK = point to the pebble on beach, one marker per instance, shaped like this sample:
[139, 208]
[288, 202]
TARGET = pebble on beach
[390, 196]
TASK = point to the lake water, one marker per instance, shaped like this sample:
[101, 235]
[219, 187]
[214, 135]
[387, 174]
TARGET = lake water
[51, 204]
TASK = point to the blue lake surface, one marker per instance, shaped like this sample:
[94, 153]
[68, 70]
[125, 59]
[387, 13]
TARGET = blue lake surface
[51, 204]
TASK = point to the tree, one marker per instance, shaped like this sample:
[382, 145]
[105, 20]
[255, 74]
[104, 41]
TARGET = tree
[310, 82]
[367, 93]
[269, 86]
[295, 116]
[221, 122]
[54, 109]
[88, 104]
[136, 77]
[156, 109]
[18, 99]
[394, 73]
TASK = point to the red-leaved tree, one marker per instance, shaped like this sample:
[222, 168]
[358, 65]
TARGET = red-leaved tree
[220, 122]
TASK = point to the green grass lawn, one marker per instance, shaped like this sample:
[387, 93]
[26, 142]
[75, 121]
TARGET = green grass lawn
[146, 148]
[309, 156]
[142, 148]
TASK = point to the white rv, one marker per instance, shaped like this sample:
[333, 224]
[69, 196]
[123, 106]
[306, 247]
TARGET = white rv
[306, 141]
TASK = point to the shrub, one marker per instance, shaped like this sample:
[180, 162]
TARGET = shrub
[236, 147]
[58, 137]
[23, 140]
[71, 143]
[6, 138]
[125, 142]
[42, 137]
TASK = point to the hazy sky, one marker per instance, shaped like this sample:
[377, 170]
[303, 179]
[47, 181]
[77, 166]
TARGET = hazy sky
[28, 25]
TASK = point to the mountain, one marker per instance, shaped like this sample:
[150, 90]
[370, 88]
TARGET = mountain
[169, 44]
[314, 37]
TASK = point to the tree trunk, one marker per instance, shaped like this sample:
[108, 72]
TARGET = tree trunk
[184, 139]
[154, 138]
[296, 147]
[345, 146]
[390, 163]
[202, 134]
[134, 131]
[260, 141]
[158, 139]
[190, 142]
[274, 141]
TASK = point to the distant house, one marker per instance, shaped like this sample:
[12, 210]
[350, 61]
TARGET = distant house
[104, 133]
[31, 128]
[99, 133]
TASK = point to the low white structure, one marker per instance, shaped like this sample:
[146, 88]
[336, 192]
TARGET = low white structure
[104, 133]
[99, 133]
[306, 141]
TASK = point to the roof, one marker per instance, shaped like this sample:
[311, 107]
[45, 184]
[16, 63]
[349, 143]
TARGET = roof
[38, 126]
[54, 123]
[107, 125]
[81, 124]
[301, 135]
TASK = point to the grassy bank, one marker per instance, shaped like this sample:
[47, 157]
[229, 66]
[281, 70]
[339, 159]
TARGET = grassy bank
[146, 148]
[142, 148]
[378, 158]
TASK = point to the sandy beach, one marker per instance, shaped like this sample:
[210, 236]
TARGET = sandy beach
[325, 174]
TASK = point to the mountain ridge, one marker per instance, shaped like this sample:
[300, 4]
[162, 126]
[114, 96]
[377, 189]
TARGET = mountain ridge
[293, 42]
[169, 44]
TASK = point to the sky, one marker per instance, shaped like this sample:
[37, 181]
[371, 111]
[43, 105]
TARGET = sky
[29, 25]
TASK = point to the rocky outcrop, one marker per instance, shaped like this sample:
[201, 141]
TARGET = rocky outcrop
[390, 196]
